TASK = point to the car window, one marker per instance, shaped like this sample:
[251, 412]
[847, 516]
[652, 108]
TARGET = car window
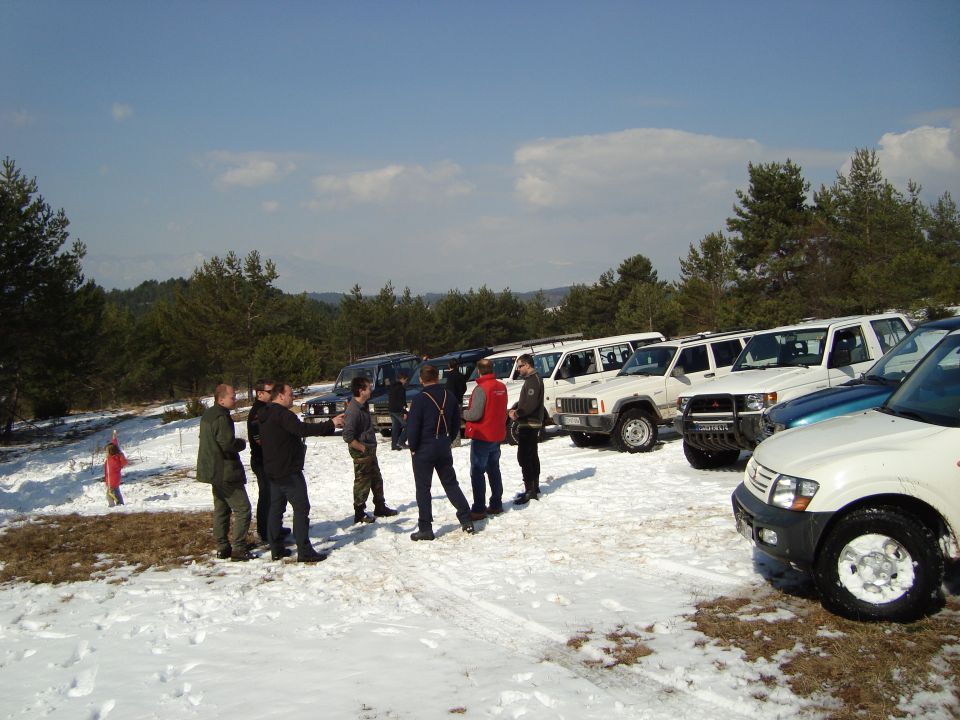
[613, 357]
[849, 340]
[694, 359]
[544, 363]
[785, 348]
[576, 364]
[725, 352]
[895, 365]
[889, 331]
[931, 393]
[649, 361]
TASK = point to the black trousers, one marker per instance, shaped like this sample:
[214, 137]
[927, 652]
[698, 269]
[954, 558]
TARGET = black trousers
[292, 489]
[263, 502]
[528, 456]
[436, 455]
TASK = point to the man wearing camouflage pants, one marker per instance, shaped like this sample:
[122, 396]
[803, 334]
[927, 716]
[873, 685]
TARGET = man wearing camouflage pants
[361, 439]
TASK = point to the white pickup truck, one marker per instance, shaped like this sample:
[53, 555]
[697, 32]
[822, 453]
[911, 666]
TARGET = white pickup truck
[868, 502]
[722, 417]
[630, 407]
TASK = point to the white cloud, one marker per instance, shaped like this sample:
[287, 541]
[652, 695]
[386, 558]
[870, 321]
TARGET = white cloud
[625, 170]
[20, 118]
[248, 169]
[121, 112]
[270, 206]
[928, 155]
[391, 184]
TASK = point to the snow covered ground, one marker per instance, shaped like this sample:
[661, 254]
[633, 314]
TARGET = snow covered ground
[386, 628]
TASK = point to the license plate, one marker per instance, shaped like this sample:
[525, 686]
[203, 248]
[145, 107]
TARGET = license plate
[382, 419]
[744, 527]
[712, 426]
[572, 421]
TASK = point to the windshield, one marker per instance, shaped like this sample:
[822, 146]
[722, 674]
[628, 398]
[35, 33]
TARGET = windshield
[788, 348]
[348, 374]
[544, 363]
[502, 367]
[931, 393]
[896, 364]
[649, 361]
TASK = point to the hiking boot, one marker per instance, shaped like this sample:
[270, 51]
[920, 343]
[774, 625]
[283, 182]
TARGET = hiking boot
[525, 497]
[241, 556]
[422, 535]
[224, 554]
[382, 510]
[468, 528]
[313, 557]
[280, 554]
[361, 516]
[498, 510]
[478, 515]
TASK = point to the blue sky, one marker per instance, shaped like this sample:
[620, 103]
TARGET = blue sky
[443, 145]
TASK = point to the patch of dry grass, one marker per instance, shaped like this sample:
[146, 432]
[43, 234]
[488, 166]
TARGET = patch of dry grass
[868, 668]
[69, 548]
[621, 646]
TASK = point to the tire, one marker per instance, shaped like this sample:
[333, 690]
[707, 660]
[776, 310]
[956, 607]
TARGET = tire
[879, 563]
[582, 439]
[634, 432]
[708, 459]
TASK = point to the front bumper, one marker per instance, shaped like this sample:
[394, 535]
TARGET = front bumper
[737, 431]
[797, 533]
[599, 424]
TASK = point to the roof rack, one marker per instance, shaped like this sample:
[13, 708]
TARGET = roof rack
[382, 356]
[537, 341]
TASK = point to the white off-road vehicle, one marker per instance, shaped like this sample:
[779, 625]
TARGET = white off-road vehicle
[722, 417]
[868, 502]
[630, 407]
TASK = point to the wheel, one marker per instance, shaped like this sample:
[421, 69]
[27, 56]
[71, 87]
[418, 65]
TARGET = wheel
[582, 439]
[634, 432]
[879, 563]
[708, 459]
[386, 433]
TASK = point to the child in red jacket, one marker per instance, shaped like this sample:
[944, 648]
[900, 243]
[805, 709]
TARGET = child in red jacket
[114, 463]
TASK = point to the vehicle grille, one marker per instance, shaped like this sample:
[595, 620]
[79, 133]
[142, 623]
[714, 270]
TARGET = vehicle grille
[760, 477]
[711, 404]
[575, 406]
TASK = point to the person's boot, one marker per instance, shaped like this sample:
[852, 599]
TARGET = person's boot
[424, 532]
[360, 515]
[280, 553]
[380, 509]
[224, 553]
[311, 556]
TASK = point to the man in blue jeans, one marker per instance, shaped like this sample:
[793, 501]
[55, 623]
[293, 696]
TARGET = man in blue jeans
[486, 418]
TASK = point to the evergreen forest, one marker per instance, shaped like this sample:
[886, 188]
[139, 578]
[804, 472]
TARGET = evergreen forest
[857, 246]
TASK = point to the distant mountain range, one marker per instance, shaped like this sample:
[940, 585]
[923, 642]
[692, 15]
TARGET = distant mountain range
[554, 296]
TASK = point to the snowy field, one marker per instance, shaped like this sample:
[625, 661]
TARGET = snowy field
[472, 626]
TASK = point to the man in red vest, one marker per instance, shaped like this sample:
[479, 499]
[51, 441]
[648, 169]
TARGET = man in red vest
[486, 418]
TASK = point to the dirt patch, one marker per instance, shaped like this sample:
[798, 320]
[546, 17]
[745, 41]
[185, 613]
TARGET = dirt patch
[850, 670]
[70, 548]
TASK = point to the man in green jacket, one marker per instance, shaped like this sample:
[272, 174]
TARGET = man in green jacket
[219, 464]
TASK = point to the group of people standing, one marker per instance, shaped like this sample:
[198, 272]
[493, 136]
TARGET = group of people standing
[429, 429]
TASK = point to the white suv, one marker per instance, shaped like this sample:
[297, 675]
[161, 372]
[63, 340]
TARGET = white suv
[723, 416]
[867, 502]
[630, 407]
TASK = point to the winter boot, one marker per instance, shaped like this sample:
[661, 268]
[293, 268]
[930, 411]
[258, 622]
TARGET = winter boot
[380, 509]
[425, 532]
[360, 515]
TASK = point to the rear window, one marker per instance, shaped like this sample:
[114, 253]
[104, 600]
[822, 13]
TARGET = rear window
[725, 352]
[889, 331]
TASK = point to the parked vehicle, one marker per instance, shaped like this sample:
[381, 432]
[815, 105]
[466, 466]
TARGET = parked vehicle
[630, 407]
[867, 503]
[580, 364]
[466, 359]
[723, 416]
[864, 392]
[381, 370]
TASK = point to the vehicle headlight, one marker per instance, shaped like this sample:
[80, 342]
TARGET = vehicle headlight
[793, 493]
[682, 403]
[759, 401]
[341, 406]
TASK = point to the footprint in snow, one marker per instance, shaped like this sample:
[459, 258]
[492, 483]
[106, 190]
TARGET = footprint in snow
[610, 604]
[104, 710]
[83, 683]
[198, 637]
[429, 643]
[81, 651]
[558, 599]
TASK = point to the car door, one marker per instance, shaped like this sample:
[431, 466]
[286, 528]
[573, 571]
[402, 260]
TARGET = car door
[691, 367]
[850, 354]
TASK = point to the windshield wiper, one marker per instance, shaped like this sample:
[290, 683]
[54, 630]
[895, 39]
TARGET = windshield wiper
[880, 380]
[908, 414]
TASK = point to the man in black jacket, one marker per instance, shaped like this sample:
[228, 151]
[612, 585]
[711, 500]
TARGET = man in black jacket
[284, 451]
[262, 389]
[433, 421]
[397, 406]
[528, 416]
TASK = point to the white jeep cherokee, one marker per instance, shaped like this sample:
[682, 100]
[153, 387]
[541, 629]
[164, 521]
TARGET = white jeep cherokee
[868, 502]
[723, 416]
[630, 407]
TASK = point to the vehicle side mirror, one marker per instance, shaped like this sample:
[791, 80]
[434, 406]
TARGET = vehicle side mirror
[840, 357]
[678, 372]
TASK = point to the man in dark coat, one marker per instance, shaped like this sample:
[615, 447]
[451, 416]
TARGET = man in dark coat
[397, 406]
[432, 423]
[528, 416]
[262, 389]
[218, 463]
[284, 450]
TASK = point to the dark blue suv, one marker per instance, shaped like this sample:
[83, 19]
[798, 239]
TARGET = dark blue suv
[868, 391]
